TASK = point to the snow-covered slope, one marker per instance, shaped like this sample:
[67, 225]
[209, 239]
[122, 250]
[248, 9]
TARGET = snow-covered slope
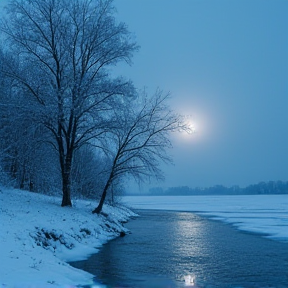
[37, 236]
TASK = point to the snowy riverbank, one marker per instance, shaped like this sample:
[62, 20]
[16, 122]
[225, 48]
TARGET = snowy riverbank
[37, 237]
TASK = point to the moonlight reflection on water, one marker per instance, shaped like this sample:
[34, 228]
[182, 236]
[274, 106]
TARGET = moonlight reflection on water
[164, 247]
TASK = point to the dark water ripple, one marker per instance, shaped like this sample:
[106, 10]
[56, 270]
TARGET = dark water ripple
[166, 246]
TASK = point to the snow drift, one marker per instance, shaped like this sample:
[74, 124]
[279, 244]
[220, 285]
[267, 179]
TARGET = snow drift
[38, 237]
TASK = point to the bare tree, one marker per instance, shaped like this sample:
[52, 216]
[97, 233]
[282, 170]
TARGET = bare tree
[88, 178]
[137, 142]
[26, 162]
[63, 49]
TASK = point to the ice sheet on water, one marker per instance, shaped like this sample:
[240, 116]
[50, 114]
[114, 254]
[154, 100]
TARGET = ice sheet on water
[264, 214]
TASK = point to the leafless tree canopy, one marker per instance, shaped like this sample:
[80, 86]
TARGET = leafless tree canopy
[56, 70]
[139, 139]
[63, 49]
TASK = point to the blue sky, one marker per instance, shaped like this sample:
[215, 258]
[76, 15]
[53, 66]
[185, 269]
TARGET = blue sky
[225, 63]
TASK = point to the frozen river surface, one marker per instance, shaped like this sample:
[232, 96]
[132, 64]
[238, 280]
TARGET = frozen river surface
[264, 214]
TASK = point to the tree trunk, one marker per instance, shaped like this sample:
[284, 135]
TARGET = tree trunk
[100, 205]
[66, 184]
[66, 189]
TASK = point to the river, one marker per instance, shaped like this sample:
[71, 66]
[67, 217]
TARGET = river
[166, 246]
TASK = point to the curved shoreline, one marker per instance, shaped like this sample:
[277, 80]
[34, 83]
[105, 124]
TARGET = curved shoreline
[38, 238]
[261, 214]
[216, 254]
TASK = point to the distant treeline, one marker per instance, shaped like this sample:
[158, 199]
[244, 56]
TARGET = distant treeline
[271, 187]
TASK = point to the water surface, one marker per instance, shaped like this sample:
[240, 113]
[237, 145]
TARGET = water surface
[165, 246]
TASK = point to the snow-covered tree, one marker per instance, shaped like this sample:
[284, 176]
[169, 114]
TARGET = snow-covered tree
[137, 143]
[62, 50]
[88, 172]
[25, 159]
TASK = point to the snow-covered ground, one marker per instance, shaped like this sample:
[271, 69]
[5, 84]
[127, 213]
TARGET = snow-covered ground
[265, 214]
[37, 237]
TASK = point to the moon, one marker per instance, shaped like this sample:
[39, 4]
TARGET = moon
[191, 128]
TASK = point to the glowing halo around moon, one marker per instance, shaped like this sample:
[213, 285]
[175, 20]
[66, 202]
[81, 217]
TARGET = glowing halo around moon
[190, 130]
[199, 127]
[191, 127]
[195, 131]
